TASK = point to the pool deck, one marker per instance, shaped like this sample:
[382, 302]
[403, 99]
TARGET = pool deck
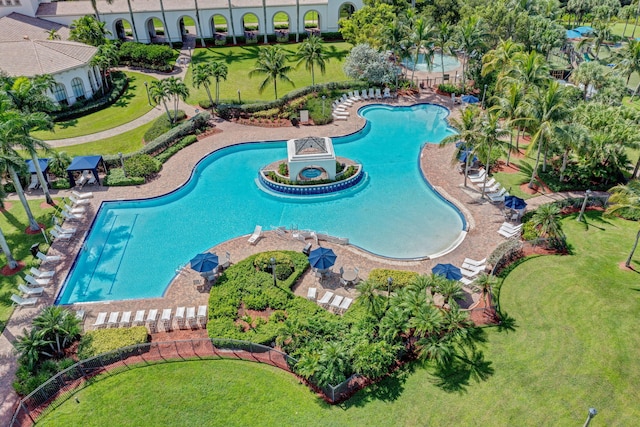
[483, 219]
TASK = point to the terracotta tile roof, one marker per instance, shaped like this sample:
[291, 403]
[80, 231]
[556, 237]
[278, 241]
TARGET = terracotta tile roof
[15, 26]
[31, 57]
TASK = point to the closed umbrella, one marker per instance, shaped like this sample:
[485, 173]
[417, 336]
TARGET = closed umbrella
[513, 202]
[322, 258]
[470, 99]
[204, 262]
[448, 271]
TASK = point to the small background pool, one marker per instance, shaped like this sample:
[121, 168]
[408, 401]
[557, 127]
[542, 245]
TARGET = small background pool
[311, 173]
[450, 63]
[135, 247]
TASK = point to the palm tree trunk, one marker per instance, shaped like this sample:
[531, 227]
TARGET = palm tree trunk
[217, 90]
[206, 87]
[635, 245]
[625, 26]
[199, 26]
[535, 168]
[442, 62]
[43, 183]
[164, 22]
[33, 225]
[544, 159]
[486, 175]
[264, 12]
[635, 169]
[565, 158]
[11, 261]
[233, 29]
[633, 34]
[298, 21]
[510, 147]
[133, 24]
[166, 108]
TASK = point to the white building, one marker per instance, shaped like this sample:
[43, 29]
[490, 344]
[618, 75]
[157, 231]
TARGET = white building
[202, 12]
[26, 50]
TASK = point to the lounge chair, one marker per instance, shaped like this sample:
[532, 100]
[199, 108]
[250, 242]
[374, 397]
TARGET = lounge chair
[227, 261]
[152, 320]
[191, 317]
[71, 216]
[27, 291]
[509, 233]
[81, 181]
[91, 180]
[257, 233]
[23, 301]
[139, 319]
[325, 298]
[471, 267]
[125, 321]
[469, 273]
[354, 97]
[493, 189]
[466, 281]
[341, 113]
[179, 317]
[78, 210]
[336, 107]
[60, 236]
[166, 319]
[345, 100]
[311, 294]
[509, 226]
[474, 262]
[36, 282]
[64, 230]
[479, 175]
[34, 184]
[76, 201]
[371, 93]
[100, 320]
[338, 117]
[202, 314]
[346, 303]
[46, 258]
[80, 315]
[496, 194]
[82, 195]
[378, 93]
[363, 94]
[335, 303]
[490, 182]
[40, 274]
[386, 93]
[498, 199]
[113, 319]
[479, 179]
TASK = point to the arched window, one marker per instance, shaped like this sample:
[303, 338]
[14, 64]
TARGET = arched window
[60, 93]
[91, 82]
[78, 88]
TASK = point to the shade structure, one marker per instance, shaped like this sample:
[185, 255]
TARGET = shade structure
[204, 262]
[44, 165]
[322, 258]
[82, 163]
[572, 34]
[584, 31]
[514, 202]
[470, 99]
[449, 271]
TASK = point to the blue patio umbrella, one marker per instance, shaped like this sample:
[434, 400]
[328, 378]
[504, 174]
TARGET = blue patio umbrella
[572, 34]
[322, 258]
[514, 202]
[449, 271]
[204, 262]
[464, 155]
[584, 31]
[470, 99]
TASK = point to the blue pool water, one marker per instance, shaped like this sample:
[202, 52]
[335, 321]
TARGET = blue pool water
[135, 247]
[311, 173]
[450, 63]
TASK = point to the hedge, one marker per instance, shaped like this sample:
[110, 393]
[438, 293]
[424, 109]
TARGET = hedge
[162, 125]
[99, 102]
[101, 341]
[401, 278]
[169, 152]
[116, 178]
[151, 56]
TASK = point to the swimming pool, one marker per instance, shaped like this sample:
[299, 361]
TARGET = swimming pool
[134, 247]
[450, 63]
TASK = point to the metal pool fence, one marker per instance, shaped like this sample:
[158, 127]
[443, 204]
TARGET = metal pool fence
[63, 385]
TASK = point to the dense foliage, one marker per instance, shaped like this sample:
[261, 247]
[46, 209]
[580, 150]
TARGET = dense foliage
[101, 341]
[151, 56]
[162, 125]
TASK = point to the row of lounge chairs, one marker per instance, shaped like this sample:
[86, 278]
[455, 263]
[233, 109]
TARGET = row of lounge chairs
[86, 178]
[347, 100]
[33, 287]
[470, 270]
[509, 230]
[336, 303]
[185, 317]
[493, 190]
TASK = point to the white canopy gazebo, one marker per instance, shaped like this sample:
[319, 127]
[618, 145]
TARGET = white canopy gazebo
[311, 153]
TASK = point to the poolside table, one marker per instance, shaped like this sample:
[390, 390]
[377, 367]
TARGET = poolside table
[349, 275]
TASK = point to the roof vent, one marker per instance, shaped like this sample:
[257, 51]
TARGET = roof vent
[26, 37]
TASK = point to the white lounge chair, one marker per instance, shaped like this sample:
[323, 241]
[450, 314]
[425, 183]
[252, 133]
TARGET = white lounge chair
[335, 303]
[326, 298]
[27, 291]
[471, 267]
[477, 176]
[371, 93]
[76, 201]
[60, 236]
[311, 294]
[179, 317]
[479, 180]
[82, 195]
[191, 316]
[34, 184]
[345, 100]
[227, 261]
[496, 194]
[166, 319]
[92, 180]
[64, 230]
[36, 282]
[47, 258]
[386, 93]
[490, 182]
[81, 181]
[466, 281]
[354, 97]
[40, 274]
[498, 198]
[100, 320]
[113, 319]
[509, 226]
[363, 94]
[80, 315]
[378, 93]
[474, 262]
[23, 301]
[509, 234]
[71, 216]
[469, 273]
[257, 233]
[71, 210]
[125, 321]
[339, 117]
[139, 319]
[152, 320]
[346, 303]
[202, 314]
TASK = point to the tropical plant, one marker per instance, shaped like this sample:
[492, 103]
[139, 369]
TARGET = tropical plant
[159, 92]
[498, 59]
[467, 127]
[219, 72]
[94, 5]
[52, 34]
[201, 76]
[625, 201]
[469, 37]
[177, 89]
[442, 40]
[311, 53]
[491, 135]
[58, 326]
[366, 63]
[421, 37]
[88, 30]
[588, 74]
[485, 282]
[547, 220]
[509, 102]
[59, 161]
[271, 63]
[628, 60]
[30, 347]
[164, 24]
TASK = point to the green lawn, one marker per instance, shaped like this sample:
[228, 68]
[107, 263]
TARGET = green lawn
[131, 105]
[126, 142]
[13, 223]
[241, 59]
[570, 343]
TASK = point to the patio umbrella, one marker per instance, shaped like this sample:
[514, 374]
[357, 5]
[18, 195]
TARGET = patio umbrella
[204, 262]
[463, 156]
[470, 99]
[583, 30]
[572, 34]
[514, 202]
[449, 271]
[322, 258]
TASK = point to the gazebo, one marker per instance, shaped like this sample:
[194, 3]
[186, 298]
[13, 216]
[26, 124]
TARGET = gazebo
[82, 163]
[310, 158]
[44, 167]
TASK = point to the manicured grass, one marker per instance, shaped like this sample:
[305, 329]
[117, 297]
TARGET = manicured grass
[131, 105]
[241, 60]
[569, 343]
[13, 223]
[126, 142]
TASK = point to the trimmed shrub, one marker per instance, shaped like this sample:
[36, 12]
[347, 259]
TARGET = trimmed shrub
[116, 178]
[151, 56]
[400, 278]
[101, 341]
[142, 165]
[169, 152]
[60, 184]
[162, 125]
[27, 381]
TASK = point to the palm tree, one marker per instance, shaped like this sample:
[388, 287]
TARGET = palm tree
[59, 161]
[490, 137]
[164, 23]
[601, 35]
[264, 15]
[588, 74]
[421, 40]
[52, 34]
[88, 30]
[233, 30]
[201, 76]
[177, 89]
[500, 58]
[531, 69]
[625, 199]
[133, 23]
[545, 108]
[311, 53]
[94, 5]
[470, 37]
[11, 261]
[628, 60]
[58, 326]
[30, 347]
[159, 92]
[443, 36]
[334, 364]
[202, 43]
[573, 137]
[271, 62]
[426, 321]
[509, 104]
[369, 297]
[219, 71]
[485, 282]
[626, 13]
[547, 220]
[467, 127]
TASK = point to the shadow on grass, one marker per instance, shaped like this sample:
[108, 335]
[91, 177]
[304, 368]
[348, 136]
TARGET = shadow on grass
[67, 124]
[126, 97]
[387, 390]
[456, 375]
